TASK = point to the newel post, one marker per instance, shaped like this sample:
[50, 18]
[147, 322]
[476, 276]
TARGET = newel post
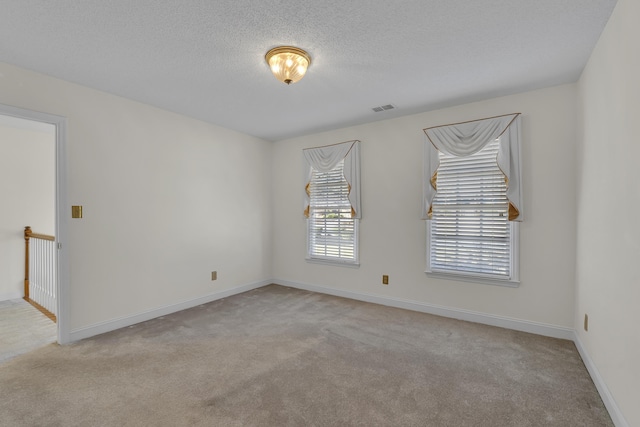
[27, 235]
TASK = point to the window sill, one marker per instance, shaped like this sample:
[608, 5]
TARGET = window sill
[334, 263]
[510, 283]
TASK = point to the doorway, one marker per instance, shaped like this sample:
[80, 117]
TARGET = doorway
[35, 124]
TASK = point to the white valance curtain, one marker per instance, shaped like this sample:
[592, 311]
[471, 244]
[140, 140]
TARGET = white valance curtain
[326, 158]
[464, 139]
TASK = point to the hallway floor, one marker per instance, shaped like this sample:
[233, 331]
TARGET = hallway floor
[23, 328]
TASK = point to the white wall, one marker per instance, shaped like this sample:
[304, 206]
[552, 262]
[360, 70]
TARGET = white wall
[392, 235]
[27, 196]
[167, 199]
[608, 249]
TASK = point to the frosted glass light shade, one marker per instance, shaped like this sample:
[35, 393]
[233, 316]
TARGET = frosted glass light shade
[289, 64]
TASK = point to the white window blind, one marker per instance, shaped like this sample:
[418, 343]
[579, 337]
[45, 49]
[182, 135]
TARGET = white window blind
[332, 232]
[469, 228]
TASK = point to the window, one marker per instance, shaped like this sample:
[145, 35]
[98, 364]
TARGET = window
[332, 202]
[332, 232]
[471, 232]
[469, 228]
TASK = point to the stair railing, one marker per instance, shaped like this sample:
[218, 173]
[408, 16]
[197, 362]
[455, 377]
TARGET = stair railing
[40, 272]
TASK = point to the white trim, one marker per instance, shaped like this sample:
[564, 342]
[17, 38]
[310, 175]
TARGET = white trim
[123, 322]
[609, 402]
[471, 278]
[61, 208]
[332, 262]
[62, 224]
[455, 313]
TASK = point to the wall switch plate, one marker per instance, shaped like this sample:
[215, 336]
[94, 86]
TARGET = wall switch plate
[76, 211]
[385, 279]
[214, 275]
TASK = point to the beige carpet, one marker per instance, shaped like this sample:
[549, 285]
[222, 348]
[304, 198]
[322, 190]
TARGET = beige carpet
[284, 357]
[23, 328]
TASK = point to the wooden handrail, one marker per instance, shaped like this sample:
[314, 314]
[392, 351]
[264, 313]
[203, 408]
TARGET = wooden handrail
[28, 233]
[43, 237]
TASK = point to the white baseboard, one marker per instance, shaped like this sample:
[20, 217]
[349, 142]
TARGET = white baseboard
[122, 322]
[471, 316]
[455, 313]
[609, 402]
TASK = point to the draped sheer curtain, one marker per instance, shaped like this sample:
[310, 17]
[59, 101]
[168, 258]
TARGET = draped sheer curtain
[324, 159]
[464, 139]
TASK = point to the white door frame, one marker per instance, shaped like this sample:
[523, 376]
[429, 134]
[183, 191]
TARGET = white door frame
[62, 282]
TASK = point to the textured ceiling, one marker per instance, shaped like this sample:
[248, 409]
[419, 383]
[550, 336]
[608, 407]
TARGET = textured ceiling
[205, 58]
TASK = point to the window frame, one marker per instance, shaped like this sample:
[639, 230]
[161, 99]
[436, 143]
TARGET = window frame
[336, 261]
[512, 280]
[310, 256]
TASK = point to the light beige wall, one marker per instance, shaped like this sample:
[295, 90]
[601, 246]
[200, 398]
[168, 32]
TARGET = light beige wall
[27, 197]
[392, 235]
[608, 249]
[167, 199]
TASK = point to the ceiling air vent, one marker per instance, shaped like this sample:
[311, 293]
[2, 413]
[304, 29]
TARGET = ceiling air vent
[383, 108]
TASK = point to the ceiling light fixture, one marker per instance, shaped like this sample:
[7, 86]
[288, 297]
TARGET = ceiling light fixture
[288, 63]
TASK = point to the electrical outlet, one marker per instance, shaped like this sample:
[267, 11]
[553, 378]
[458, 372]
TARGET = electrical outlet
[586, 322]
[214, 275]
[385, 279]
